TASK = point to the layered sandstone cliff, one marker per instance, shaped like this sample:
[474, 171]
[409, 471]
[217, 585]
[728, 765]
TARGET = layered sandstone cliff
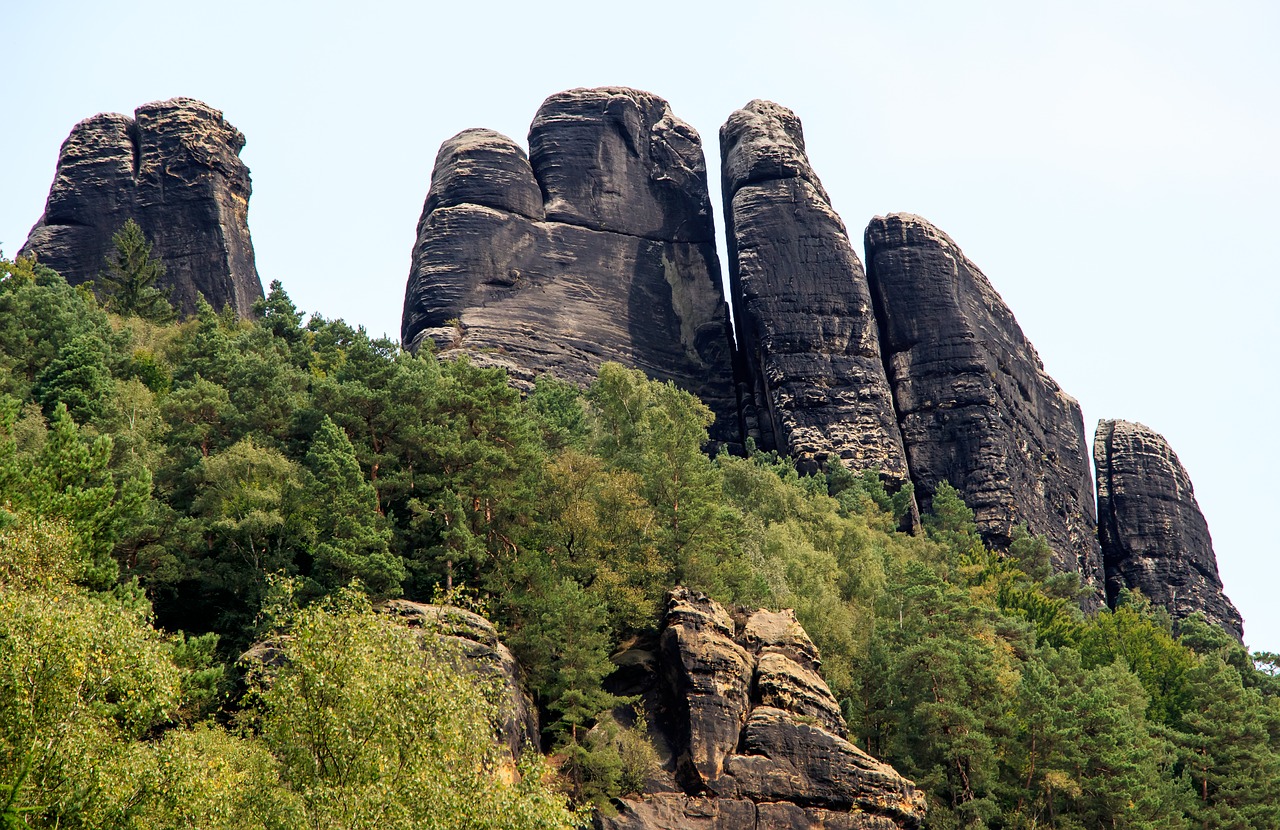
[598, 246]
[815, 383]
[175, 169]
[1154, 537]
[974, 403]
[749, 733]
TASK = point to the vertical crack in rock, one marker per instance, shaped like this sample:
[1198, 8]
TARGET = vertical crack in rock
[175, 169]
[803, 310]
[597, 246]
[975, 405]
[1154, 537]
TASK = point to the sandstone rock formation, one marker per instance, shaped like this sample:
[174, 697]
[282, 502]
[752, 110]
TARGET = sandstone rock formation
[749, 733]
[974, 403]
[599, 246]
[1154, 537]
[803, 310]
[175, 169]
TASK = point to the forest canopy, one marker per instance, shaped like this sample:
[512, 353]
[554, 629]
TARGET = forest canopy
[173, 492]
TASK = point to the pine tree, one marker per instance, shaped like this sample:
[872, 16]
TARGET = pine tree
[129, 283]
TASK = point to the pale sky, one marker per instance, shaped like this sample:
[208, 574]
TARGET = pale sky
[1113, 167]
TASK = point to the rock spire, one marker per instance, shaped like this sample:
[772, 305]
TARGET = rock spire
[175, 169]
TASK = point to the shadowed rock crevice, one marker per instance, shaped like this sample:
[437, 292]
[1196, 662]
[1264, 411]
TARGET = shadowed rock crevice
[597, 246]
[1154, 537]
[175, 169]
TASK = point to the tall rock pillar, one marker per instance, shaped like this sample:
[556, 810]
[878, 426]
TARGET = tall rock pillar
[974, 403]
[598, 246]
[802, 309]
[1154, 537]
[175, 169]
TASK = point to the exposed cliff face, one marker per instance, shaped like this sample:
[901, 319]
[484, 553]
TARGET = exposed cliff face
[599, 246]
[174, 168]
[974, 403]
[1154, 537]
[750, 734]
[803, 311]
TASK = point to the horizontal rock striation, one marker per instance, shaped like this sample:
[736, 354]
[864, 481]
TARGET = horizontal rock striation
[803, 310]
[1154, 537]
[175, 169]
[750, 734]
[598, 246]
[974, 403]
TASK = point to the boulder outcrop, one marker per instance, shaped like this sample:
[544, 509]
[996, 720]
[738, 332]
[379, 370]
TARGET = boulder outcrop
[806, 327]
[175, 169]
[974, 403]
[485, 655]
[1154, 537]
[470, 637]
[598, 246]
[749, 733]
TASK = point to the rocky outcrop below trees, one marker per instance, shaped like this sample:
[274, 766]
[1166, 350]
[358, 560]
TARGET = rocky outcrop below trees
[175, 169]
[470, 640]
[598, 246]
[1154, 537]
[749, 733]
[974, 404]
[815, 383]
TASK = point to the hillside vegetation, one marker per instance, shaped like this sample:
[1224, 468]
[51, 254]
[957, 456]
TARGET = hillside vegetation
[174, 492]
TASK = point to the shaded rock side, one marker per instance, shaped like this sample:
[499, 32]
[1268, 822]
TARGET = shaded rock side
[598, 246]
[803, 310]
[974, 403]
[749, 733]
[1154, 537]
[175, 169]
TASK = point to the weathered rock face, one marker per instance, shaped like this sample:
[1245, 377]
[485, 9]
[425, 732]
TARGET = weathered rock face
[749, 732]
[599, 246]
[1154, 537]
[803, 310]
[974, 403]
[175, 169]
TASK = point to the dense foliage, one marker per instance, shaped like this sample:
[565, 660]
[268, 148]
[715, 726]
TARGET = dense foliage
[173, 492]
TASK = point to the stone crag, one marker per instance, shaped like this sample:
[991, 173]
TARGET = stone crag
[974, 403]
[749, 733]
[815, 383]
[598, 246]
[175, 169]
[1154, 537]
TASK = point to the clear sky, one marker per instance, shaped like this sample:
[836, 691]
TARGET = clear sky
[1113, 167]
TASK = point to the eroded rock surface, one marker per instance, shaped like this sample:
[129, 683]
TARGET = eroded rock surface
[974, 403]
[598, 246]
[1154, 537]
[803, 309]
[175, 169]
[749, 733]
